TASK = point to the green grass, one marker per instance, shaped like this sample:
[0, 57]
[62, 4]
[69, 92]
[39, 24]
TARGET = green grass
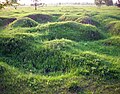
[53, 50]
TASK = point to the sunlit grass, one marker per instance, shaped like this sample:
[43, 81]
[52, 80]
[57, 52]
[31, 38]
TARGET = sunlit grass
[61, 55]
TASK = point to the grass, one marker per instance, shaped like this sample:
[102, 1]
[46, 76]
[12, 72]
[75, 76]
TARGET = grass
[51, 50]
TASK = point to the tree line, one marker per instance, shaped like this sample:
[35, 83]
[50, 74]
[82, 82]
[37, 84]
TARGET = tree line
[106, 2]
[97, 2]
[8, 3]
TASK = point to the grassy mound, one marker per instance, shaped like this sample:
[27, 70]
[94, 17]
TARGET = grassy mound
[70, 30]
[87, 20]
[113, 41]
[41, 18]
[24, 22]
[114, 27]
[79, 18]
[44, 58]
[52, 58]
[47, 58]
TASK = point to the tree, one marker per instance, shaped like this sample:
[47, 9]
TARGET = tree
[1, 6]
[98, 2]
[6, 3]
[106, 2]
[118, 3]
[14, 3]
[36, 3]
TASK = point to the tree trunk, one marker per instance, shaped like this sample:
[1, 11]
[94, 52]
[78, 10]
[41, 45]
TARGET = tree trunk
[35, 6]
[109, 2]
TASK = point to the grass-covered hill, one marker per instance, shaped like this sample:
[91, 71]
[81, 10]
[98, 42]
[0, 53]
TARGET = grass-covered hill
[24, 22]
[60, 50]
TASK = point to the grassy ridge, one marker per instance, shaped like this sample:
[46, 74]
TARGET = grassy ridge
[71, 30]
